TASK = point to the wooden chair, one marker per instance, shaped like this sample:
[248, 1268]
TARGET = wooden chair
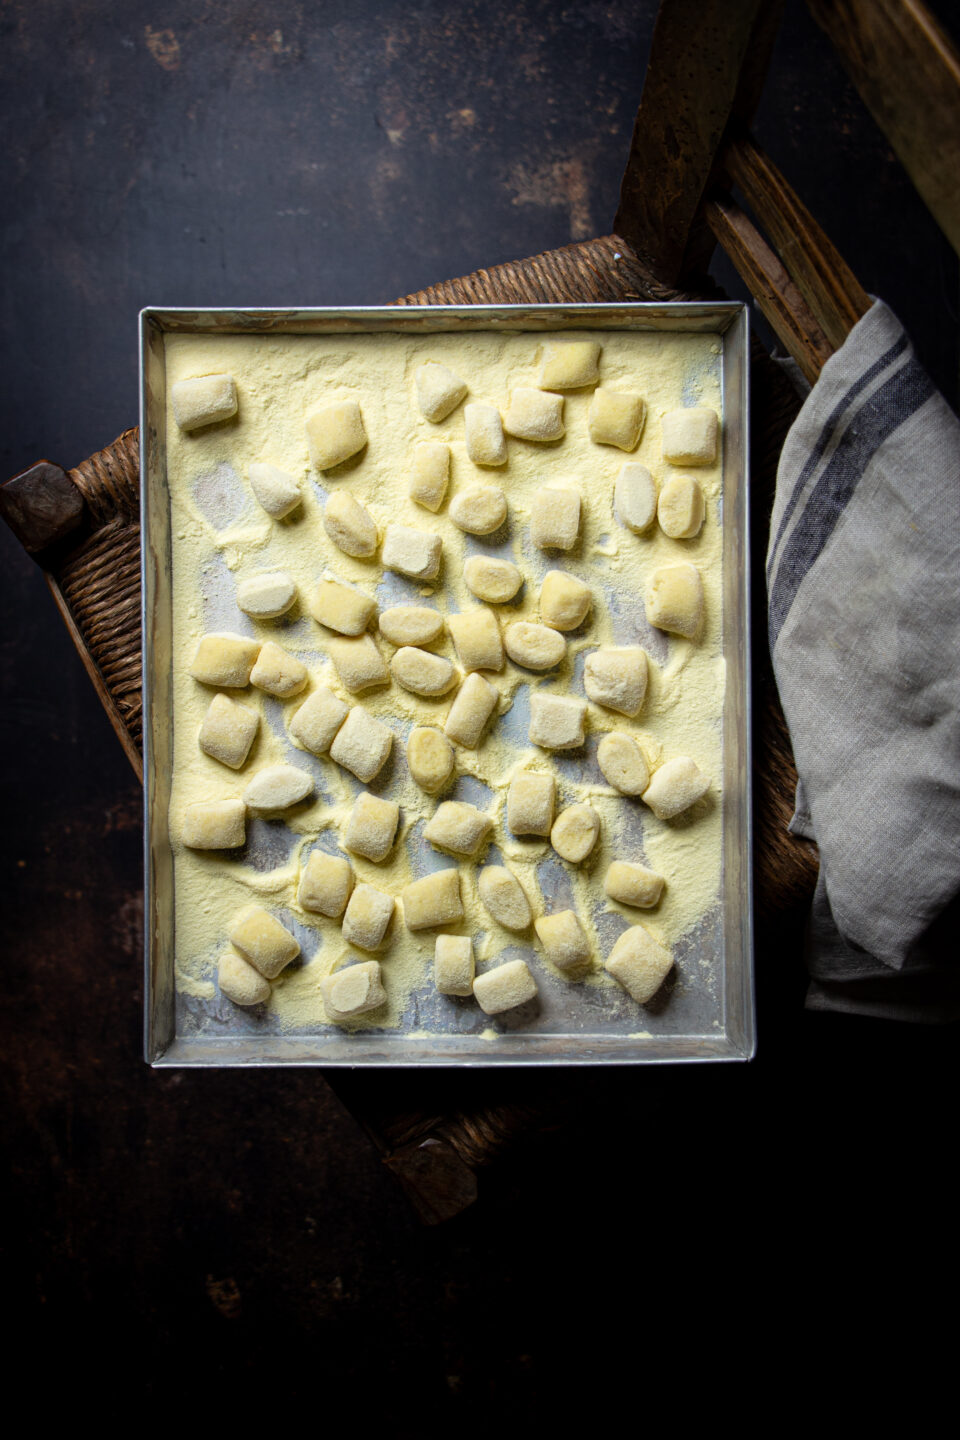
[691, 149]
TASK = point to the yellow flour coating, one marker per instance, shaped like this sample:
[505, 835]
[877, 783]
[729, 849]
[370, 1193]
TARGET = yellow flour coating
[222, 536]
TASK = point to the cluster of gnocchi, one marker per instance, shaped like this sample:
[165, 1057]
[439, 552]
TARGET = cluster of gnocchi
[343, 731]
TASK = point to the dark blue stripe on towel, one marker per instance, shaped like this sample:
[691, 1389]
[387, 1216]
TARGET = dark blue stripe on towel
[827, 434]
[895, 401]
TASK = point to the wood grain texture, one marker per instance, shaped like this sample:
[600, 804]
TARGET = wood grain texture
[833, 294]
[907, 70]
[42, 506]
[706, 65]
[777, 296]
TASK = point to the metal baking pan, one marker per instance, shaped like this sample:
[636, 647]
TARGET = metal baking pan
[712, 1019]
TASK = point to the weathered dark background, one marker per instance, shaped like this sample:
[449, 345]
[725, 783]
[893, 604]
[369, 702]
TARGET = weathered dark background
[236, 1229]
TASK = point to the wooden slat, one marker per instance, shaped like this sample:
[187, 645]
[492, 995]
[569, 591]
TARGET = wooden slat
[907, 70]
[832, 292]
[774, 291]
[707, 62]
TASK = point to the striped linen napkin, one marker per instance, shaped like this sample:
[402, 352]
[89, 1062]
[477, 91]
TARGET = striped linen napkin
[863, 583]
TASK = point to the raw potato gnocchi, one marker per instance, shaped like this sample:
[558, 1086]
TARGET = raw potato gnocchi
[476, 701]
[490, 579]
[569, 364]
[225, 660]
[632, 884]
[564, 940]
[358, 663]
[565, 601]
[675, 787]
[342, 608]
[371, 827]
[476, 637]
[318, 720]
[325, 884]
[350, 525]
[422, 673]
[278, 672]
[458, 827]
[615, 676]
[639, 963]
[214, 825]
[556, 721]
[535, 647]
[354, 990]
[240, 981]
[690, 436]
[367, 917]
[534, 415]
[412, 552]
[616, 418]
[575, 832]
[430, 474]
[555, 517]
[479, 509]
[504, 988]
[275, 490]
[530, 803]
[204, 400]
[430, 759]
[266, 597]
[434, 900]
[674, 599]
[623, 764]
[335, 432]
[277, 788]
[263, 941]
[453, 965]
[680, 509]
[410, 625]
[362, 744]
[484, 434]
[504, 897]
[227, 731]
[635, 497]
[439, 391]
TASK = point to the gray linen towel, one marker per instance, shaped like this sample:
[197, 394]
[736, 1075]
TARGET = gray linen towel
[863, 582]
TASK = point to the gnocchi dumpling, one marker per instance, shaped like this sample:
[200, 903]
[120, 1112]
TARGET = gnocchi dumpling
[453, 965]
[569, 364]
[674, 599]
[555, 517]
[225, 660]
[615, 676]
[278, 672]
[633, 884]
[575, 832]
[342, 608]
[430, 474]
[358, 663]
[335, 432]
[353, 990]
[458, 827]
[479, 509]
[412, 552]
[439, 390]
[680, 508]
[240, 981]
[623, 764]
[367, 917]
[534, 415]
[635, 497]
[483, 427]
[318, 719]
[362, 744]
[265, 597]
[410, 624]
[491, 579]
[504, 987]
[434, 900]
[690, 436]
[371, 827]
[275, 490]
[430, 758]
[616, 418]
[535, 647]
[504, 897]
[564, 940]
[476, 636]
[350, 525]
[277, 787]
[564, 600]
[227, 731]
[261, 939]
[675, 786]
[530, 803]
[203, 400]
[475, 702]
[422, 673]
[556, 721]
[325, 884]
[639, 963]
[214, 825]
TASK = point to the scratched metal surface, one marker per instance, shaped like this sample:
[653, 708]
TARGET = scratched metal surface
[705, 1010]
